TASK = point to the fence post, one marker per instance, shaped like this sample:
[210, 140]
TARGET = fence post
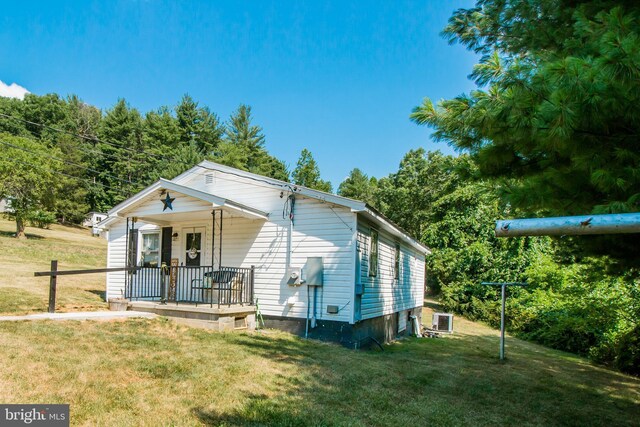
[52, 286]
[251, 283]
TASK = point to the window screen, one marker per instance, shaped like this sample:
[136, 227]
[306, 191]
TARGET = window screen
[373, 254]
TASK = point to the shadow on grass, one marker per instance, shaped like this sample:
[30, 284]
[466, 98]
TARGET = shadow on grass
[101, 294]
[258, 410]
[455, 380]
[12, 234]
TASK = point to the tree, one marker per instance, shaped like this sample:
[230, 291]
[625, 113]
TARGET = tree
[12, 107]
[556, 116]
[199, 125]
[49, 110]
[123, 164]
[407, 196]
[243, 147]
[307, 173]
[359, 186]
[74, 194]
[27, 173]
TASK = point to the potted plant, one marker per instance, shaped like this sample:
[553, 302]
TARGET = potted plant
[118, 304]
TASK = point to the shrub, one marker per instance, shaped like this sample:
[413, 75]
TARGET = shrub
[41, 219]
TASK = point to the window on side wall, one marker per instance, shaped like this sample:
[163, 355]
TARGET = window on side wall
[150, 249]
[373, 254]
[396, 263]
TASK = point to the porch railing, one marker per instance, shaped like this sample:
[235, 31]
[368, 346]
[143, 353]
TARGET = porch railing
[215, 286]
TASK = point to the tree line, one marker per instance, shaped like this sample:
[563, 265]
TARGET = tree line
[63, 158]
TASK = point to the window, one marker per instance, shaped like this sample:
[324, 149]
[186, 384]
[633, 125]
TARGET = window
[150, 250]
[98, 218]
[396, 265]
[373, 254]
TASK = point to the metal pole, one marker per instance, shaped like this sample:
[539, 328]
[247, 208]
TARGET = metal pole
[52, 286]
[570, 225]
[502, 323]
[213, 240]
[220, 242]
[503, 286]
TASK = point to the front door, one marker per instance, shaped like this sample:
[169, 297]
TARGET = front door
[193, 249]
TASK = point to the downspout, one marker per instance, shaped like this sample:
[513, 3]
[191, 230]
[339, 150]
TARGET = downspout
[315, 298]
[292, 203]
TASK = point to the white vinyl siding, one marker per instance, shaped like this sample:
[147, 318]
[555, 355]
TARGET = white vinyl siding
[383, 294]
[320, 229]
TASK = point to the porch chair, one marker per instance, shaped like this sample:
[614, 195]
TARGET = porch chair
[225, 281]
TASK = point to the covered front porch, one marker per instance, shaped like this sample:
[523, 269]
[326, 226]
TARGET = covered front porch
[174, 239]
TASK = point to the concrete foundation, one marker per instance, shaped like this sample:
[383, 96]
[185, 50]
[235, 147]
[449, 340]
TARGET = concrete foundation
[363, 334]
[214, 318]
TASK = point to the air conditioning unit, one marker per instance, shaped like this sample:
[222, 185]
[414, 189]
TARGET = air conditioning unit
[443, 322]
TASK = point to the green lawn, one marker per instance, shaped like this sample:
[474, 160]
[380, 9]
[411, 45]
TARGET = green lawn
[155, 372]
[73, 247]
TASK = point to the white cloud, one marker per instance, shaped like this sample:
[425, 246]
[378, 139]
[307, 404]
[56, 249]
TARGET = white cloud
[12, 91]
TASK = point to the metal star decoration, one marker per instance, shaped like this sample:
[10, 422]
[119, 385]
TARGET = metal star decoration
[167, 202]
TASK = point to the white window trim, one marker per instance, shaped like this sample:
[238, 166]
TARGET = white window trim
[141, 234]
[183, 243]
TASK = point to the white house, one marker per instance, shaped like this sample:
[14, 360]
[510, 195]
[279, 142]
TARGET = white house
[92, 219]
[223, 239]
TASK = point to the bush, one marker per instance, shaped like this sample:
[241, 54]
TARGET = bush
[627, 357]
[41, 219]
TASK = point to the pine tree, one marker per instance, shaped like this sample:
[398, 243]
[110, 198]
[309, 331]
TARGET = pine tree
[307, 173]
[244, 147]
[123, 166]
[556, 115]
[199, 125]
[359, 186]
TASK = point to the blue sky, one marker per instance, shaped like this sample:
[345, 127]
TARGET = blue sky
[339, 78]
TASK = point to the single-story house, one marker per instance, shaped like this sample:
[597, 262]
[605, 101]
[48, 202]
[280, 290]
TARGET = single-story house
[221, 239]
[92, 219]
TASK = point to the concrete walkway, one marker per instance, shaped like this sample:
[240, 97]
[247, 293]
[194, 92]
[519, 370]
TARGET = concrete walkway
[82, 315]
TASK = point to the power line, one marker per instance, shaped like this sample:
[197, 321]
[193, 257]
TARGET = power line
[88, 138]
[284, 185]
[69, 163]
[95, 139]
[121, 191]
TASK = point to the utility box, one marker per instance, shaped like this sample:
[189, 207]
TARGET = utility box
[314, 271]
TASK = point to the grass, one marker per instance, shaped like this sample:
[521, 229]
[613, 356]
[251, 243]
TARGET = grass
[73, 247]
[155, 372]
